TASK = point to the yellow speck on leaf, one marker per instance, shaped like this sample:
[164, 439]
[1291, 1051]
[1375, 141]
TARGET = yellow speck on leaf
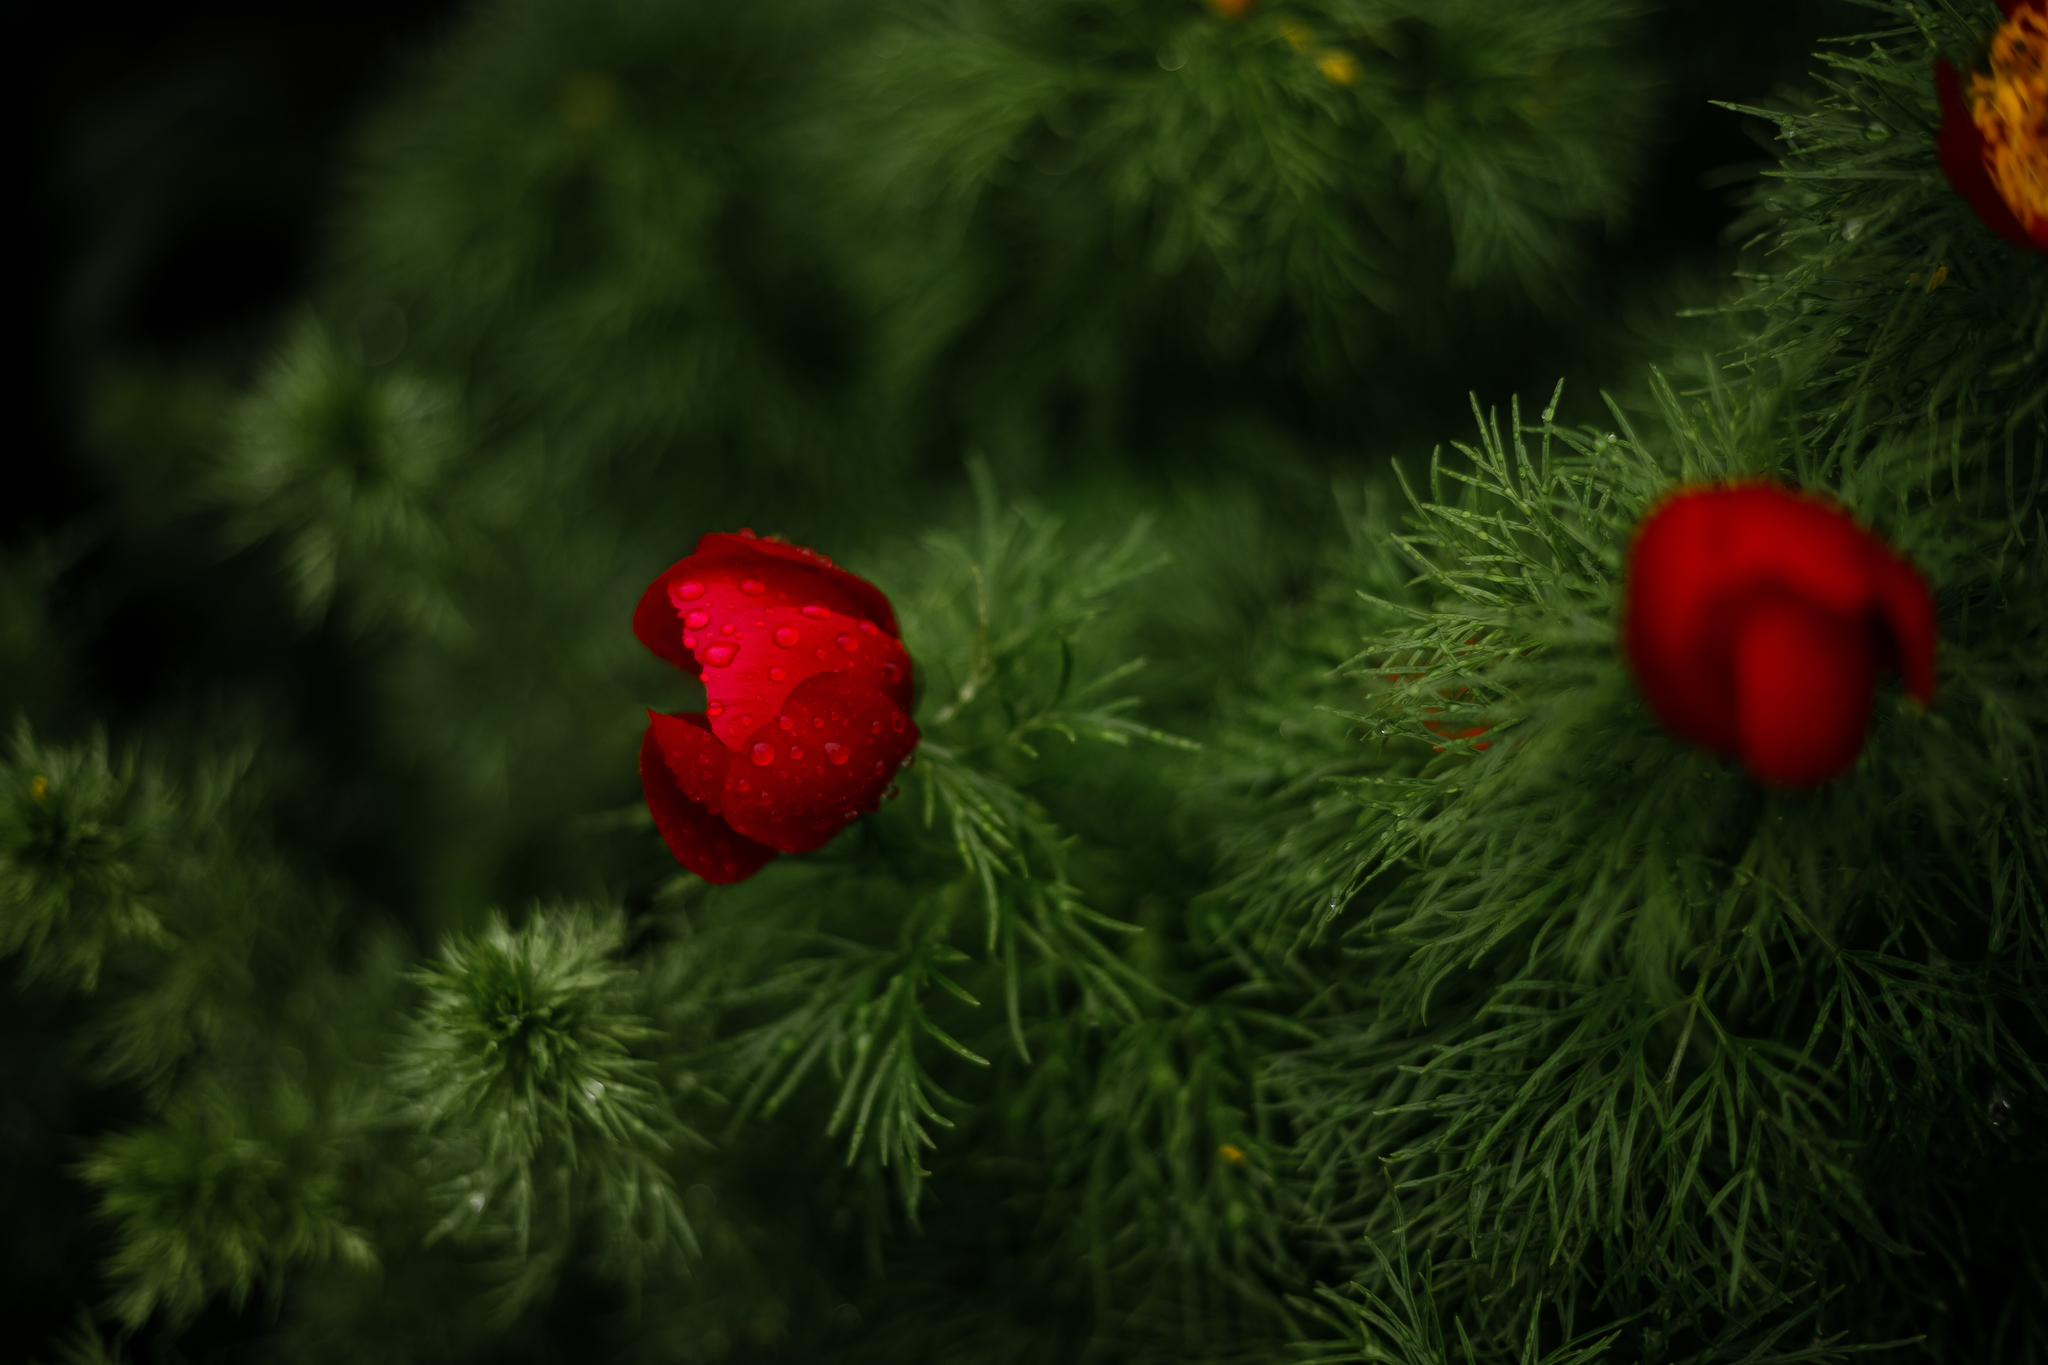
[1340, 67]
[1937, 279]
[2009, 105]
[1297, 34]
[1233, 1155]
[589, 99]
[38, 788]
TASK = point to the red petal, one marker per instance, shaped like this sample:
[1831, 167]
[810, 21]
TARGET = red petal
[739, 614]
[1961, 151]
[796, 785]
[693, 755]
[751, 672]
[700, 840]
[1709, 563]
[1802, 685]
[801, 572]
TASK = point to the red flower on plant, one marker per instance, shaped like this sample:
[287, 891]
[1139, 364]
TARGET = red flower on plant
[808, 701]
[1756, 619]
[1994, 127]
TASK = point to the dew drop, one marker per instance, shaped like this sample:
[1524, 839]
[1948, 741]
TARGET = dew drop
[764, 754]
[896, 722]
[785, 636]
[867, 627]
[728, 629]
[892, 793]
[697, 620]
[835, 752]
[786, 723]
[796, 751]
[821, 653]
[817, 722]
[848, 643]
[744, 785]
[720, 654]
[689, 642]
[816, 612]
[716, 708]
[892, 672]
[850, 814]
[746, 720]
[703, 675]
[686, 592]
[875, 729]
[776, 675]
[753, 587]
[880, 767]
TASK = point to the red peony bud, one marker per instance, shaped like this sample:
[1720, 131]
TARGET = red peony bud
[1756, 618]
[807, 718]
[1994, 127]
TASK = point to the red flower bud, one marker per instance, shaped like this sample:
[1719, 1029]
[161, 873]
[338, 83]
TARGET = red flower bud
[808, 699]
[1994, 127]
[1756, 619]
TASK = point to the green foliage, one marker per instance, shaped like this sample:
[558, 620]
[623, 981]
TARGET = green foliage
[522, 1077]
[78, 834]
[229, 1189]
[341, 464]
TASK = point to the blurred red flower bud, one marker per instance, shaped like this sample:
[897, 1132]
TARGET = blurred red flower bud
[1756, 619]
[808, 694]
[1994, 127]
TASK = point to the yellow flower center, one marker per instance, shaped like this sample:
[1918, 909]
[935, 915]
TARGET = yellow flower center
[2009, 105]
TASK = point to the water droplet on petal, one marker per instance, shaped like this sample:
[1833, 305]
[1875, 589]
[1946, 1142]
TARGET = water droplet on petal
[796, 751]
[835, 752]
[721, 654]
[689, 642]
[821, 653]
[728, 629]
[848, 643]
[785, 636]
[744, 785]
[716, 708]
[867, 627]
[880, 767]
[703, 675]
[892, 793]
[776, 675]
[697, 620]
[686, 592]
[850, 814]
[875, 729]
[746, 721]
[786, 723]
[817, 722]
[764, 754]
[891, 671]
[896, 722]
[816, 612]
[753, 587]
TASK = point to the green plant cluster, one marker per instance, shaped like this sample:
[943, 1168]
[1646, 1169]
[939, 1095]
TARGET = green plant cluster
[1293, 939]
